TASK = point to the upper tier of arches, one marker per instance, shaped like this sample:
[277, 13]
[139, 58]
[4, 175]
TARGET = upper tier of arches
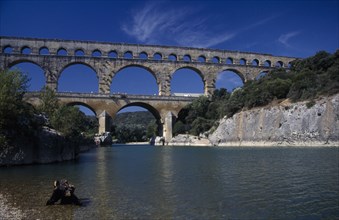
[144, 52]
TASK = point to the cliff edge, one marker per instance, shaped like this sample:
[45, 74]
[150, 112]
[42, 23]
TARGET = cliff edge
[46, 146]
[284, 124]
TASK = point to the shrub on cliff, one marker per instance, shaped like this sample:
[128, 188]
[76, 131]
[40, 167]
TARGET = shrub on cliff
[314, 76]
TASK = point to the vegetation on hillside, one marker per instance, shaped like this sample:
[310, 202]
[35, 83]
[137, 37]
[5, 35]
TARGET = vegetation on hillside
[69, 120]
[307, 79]
[134, 127]
[18, 118]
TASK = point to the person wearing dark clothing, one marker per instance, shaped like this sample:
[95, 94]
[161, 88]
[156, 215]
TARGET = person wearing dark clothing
[65, 192]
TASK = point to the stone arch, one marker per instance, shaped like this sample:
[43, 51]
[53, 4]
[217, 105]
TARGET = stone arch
[128, 55]
[113, 54]
[267, 63]
[242, 61]
[157, 56]
[25, 60]
[215, 59]
[279, 64]
[229, 61]
[149, 108]
[229, 79]
[240, 74]
[33, 70]
[85, 105]
[141, 66]
[180, 118]
[255, 62]
[172, 57]
[44, 51]
[62, 52]
[96, 53]
[79, 52]
[8, 49]
[143, 55]
[146, 106]
[187, 58]
[198, 71]
[76, 65]
[201, 59]
[148, 69]
[26, 50]
[194, 69]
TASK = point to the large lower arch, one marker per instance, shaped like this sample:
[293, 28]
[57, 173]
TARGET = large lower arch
[34, 72]
[151, 109]
[85, 105]
[78, 77]
[187, 80]
[77, 63]
[96, 118]
[146, 106]
[135, 79]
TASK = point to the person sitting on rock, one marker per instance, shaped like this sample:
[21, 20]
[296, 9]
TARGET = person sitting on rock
[65, 192]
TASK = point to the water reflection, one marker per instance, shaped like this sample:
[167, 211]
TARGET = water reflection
[181, 182]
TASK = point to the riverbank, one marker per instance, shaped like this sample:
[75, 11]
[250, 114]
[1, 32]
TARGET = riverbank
[280, 124]
[44, 146]
[137, 143]
[194, 141]
[8, 211]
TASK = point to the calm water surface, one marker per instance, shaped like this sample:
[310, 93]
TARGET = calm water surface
[144, 182]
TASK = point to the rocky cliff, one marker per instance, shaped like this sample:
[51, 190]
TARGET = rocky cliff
[46, 146]
[284, 124]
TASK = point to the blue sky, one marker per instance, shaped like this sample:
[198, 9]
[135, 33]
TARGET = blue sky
[288, 28]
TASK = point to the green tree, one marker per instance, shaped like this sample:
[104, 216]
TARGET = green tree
[15, 114]
[49, 102]
[198, 108]
[69, 120]
[13, 85]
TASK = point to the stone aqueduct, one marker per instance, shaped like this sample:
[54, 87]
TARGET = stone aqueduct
[107, 59]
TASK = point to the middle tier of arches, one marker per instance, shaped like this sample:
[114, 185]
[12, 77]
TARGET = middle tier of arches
[106, 70]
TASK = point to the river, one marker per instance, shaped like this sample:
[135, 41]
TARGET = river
[145, 182]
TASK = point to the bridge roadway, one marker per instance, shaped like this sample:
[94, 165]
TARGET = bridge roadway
[105, 106]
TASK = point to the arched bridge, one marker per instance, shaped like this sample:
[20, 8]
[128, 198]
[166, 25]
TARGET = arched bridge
[165, 109]
[106, 59]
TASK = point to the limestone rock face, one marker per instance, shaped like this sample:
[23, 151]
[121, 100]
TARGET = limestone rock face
[286, 124]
